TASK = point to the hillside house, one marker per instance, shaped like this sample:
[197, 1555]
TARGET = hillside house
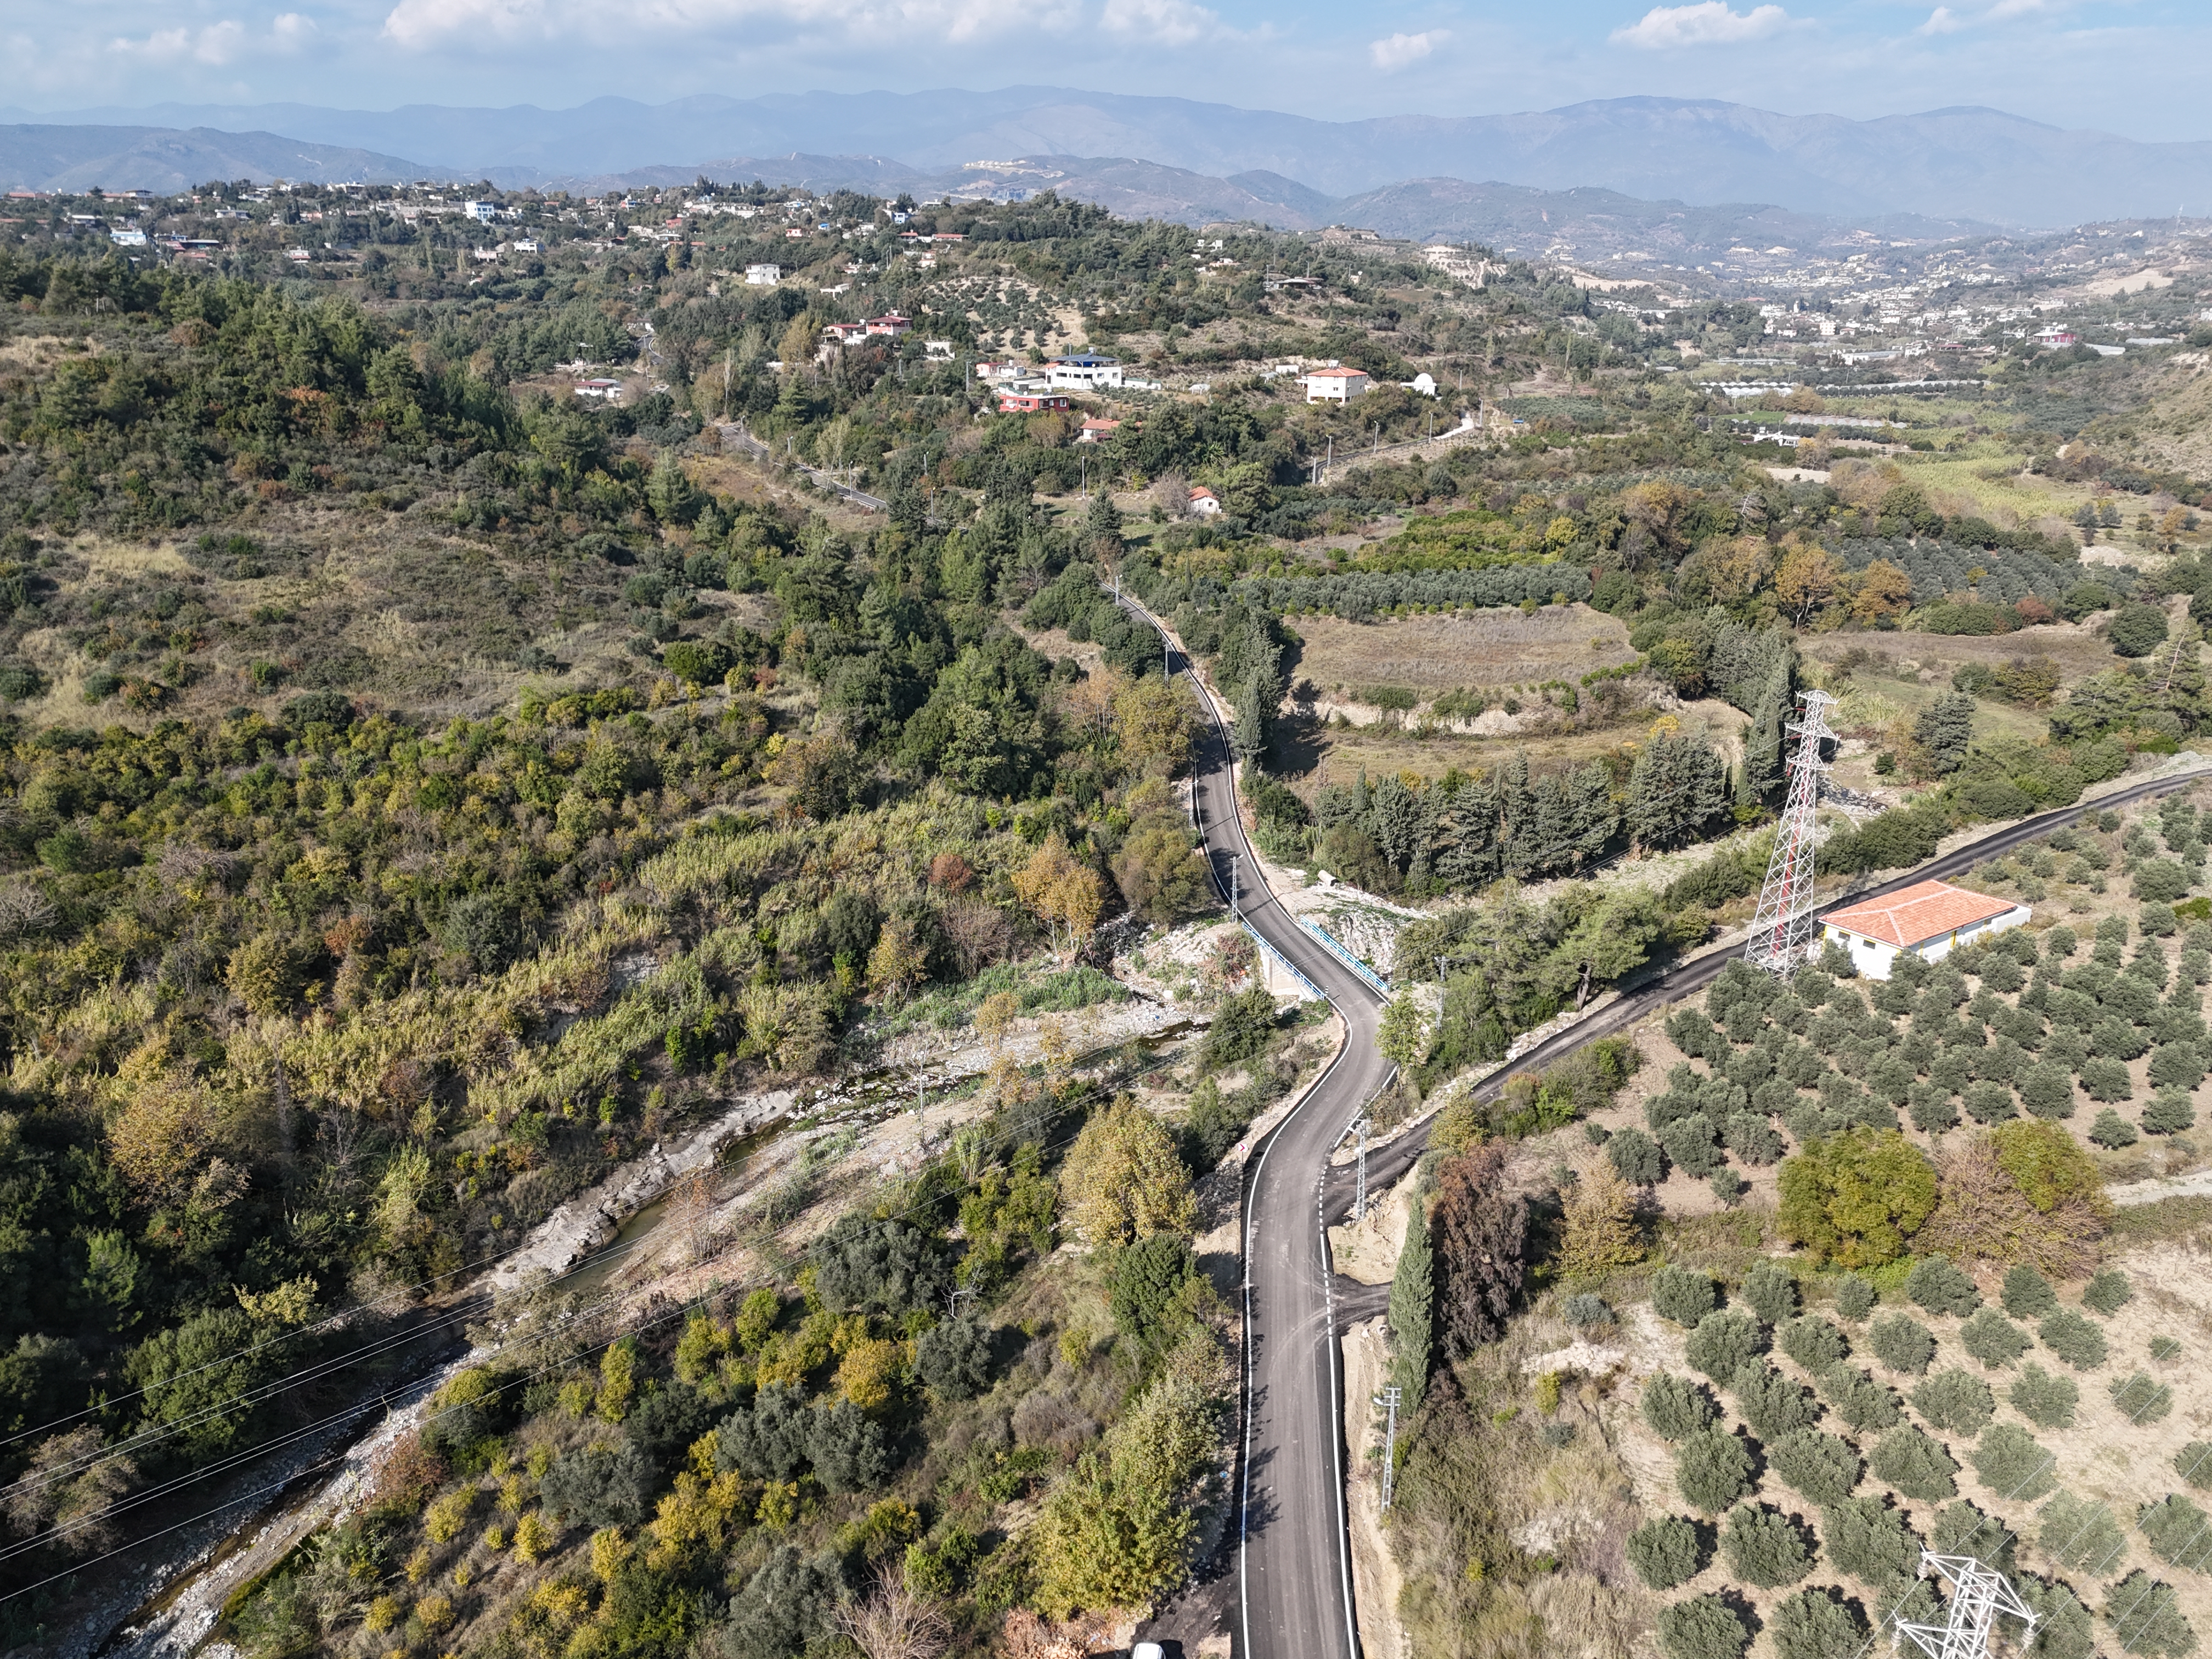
[1335, 384]
[763, 276]
[1031, 403]
[1929, 919]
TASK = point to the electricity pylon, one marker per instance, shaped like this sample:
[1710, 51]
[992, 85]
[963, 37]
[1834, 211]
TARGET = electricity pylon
[1979, 1595]
[1784, 926]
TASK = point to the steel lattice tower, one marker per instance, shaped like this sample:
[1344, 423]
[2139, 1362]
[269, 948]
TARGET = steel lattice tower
[1979, 1595]
[1784, 927]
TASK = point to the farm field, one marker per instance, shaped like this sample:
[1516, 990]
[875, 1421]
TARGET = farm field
[1429, 654]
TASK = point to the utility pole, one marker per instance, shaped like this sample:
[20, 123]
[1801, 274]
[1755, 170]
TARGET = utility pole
[1389, 1399]
[1360, 1197]
[1234, 908]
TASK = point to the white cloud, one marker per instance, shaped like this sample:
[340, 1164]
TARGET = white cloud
[424, 23]
[218, 44]
[1167, 22]
[1709, 23]
[1398, 51]
[1944, 20]
[1941, 21]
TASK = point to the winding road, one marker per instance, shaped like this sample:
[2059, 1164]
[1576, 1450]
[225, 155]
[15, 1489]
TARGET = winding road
[1293, 1566]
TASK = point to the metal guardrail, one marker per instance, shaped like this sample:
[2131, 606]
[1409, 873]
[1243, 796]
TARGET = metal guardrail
[1282, 961]
[1381, 986]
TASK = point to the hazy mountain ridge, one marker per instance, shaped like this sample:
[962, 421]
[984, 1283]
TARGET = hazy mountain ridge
[1960, 162]
[79, 158]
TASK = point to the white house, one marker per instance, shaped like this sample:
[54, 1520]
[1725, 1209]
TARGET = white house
[483, 212]
[1084, 374]
[1334, 384]
[1930, 919]
[1204, 502]
[763, 276]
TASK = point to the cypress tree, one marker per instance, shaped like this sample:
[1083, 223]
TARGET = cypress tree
[1413, 1305]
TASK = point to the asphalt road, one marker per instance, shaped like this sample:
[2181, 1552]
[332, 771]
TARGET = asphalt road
[1294, 1567]
[1293, 1576]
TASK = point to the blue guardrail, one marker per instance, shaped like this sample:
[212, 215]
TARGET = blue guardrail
[1381, 986]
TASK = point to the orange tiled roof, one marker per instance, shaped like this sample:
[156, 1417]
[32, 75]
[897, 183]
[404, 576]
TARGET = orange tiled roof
[1925, 910]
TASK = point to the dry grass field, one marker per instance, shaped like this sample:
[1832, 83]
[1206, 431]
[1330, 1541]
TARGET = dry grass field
[1472, 648]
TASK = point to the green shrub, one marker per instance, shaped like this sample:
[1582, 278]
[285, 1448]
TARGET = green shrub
[2193, 1463]
[2112, 1131]
[2179, 1533]
[2027, 1294]
[1723, 1344]
[1770, 1292]
[1822, 1467]
[1636, 1157]
[2107, 1080]
[1902, 1343]
[1703, 1627]
[1962, 1529]
[2010, 1462]
[1871, 1540]
[1766, 1547]
[2107, 1293]
[1859, 1400]
[2064, 1628]
[2139, 1399]
[1667, 1551]
[1682, 1294]
[1772, 1405]
[1712, 1468]
[1676, 1407]
[1817, 1624]
[1689, 1143]
[2176, 1066]
[1855, 1296]
[1990, 1103]
[1955, 1402]
[1856, 1198]
[1941, 1288]
[2047, 1090]
[1814, 1343]
[1993, 1339]
[2079, 1535]
[2073, 1339]
[1915, 1463]
[2170, 1113]
[2146, 1616]
[2045, 1398]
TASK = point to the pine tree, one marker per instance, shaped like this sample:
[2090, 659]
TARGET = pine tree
[1678, 787]
[1945, 729]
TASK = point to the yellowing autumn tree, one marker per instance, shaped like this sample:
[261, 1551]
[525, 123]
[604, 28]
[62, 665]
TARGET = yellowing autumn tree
[1123, 1180]
[1883, 591]
[1060, 891]
[1152, 720]
[1808, 581]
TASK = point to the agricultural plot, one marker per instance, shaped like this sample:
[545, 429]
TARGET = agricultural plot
[1476, 650]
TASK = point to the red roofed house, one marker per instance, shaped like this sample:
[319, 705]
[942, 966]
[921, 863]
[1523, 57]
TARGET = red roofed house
[893, 324]
[1203, 501]
[1334, 384]
[1031, 403]
[1095, 431]
[1929, 919]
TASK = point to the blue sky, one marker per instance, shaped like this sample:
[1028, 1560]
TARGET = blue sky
[2134, 68]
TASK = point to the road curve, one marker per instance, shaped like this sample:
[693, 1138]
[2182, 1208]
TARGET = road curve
[1294, 1570]
[1293, 1558]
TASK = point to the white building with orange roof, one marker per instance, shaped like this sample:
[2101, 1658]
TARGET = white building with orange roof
[1929, 919]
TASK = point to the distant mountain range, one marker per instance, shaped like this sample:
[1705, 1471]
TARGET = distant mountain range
[1584, 224]
[1964, 163]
